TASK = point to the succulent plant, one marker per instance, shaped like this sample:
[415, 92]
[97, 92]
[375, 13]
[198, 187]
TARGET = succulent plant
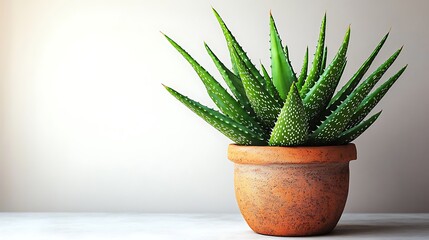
[285, 109]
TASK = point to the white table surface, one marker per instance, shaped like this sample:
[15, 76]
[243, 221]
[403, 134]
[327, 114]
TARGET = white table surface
[123, 226]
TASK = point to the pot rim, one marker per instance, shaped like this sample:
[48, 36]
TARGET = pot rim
[262, 155]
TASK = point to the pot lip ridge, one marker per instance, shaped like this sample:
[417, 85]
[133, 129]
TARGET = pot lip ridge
[262, 155]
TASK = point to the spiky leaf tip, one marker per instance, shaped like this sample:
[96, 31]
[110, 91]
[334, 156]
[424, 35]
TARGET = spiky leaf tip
[303, 74]
[235, 131]
[317, 61]
[318, 97]
[282, 72]
[270, 86]
[291, 128]
[373, 99]
[233, 45]
[338, 120]
[354, 132]
[220, 96]
[345, 91]
[234, 83]
[341, 95]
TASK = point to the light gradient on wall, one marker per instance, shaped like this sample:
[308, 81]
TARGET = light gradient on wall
[87, 126]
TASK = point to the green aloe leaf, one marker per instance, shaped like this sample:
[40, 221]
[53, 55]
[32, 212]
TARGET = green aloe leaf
[341, 95]
[282, 72]
[233, 46]
[324, 59]
[314, 74]
[318, 97]
[264, 105]
[303, 74]
[226, 103]
[373, 99]
[340, 74]
[354, 81]
[270, 86]
[356, 131]
[234, 83]
[337, 121]
[318, 119]
[291, 128]
[230, 128]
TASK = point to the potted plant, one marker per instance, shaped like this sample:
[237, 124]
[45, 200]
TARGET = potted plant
[292, 132]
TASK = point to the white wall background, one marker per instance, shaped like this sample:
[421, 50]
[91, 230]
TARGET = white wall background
[87, 126]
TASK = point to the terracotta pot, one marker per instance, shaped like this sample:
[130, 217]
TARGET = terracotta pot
[291, 191]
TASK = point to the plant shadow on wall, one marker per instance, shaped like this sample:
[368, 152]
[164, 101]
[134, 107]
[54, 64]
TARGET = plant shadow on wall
[292, 131]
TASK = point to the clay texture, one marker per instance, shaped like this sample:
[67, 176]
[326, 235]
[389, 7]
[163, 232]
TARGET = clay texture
[291, 191]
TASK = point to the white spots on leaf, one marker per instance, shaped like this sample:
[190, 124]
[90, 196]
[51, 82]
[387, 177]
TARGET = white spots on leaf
[291, 127]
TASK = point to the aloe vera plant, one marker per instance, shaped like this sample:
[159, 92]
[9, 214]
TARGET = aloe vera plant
[286, 109]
